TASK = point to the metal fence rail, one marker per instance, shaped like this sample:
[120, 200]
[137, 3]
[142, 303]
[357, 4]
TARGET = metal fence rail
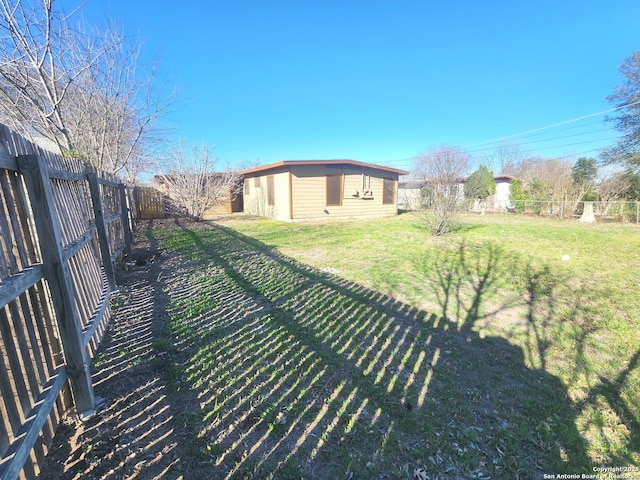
[62, 225]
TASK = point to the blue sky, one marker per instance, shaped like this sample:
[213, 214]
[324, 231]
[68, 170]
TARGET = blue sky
[382, 81]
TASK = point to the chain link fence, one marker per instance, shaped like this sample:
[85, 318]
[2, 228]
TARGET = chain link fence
[611, 211]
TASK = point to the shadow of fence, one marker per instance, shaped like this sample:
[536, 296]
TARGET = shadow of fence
[134, 434]
[239, 362]
[299, 373]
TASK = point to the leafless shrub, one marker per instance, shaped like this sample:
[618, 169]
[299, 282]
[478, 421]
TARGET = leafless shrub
[442, 169]
[193, 181]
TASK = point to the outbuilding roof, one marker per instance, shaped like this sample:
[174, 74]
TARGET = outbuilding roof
[353, 163]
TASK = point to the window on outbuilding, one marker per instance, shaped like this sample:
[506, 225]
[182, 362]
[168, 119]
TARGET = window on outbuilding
[334, 190]
[389, 192]
[247, 190]
[256, 182]
[271, 201]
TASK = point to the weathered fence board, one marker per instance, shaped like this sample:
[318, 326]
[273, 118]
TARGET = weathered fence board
[58, 274]
[61, 228]
[98, 210]
[150, 203]
[17, 284]
[125, 214]
[36, 423]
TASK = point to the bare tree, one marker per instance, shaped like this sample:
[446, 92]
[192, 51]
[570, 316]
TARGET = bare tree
[192, 181]
[612, 188]
[550, 184]
[114, 111]
[442, 169]
[547, 178]
[504, 159]
[83, 88]
[556, 175]
[613, 185]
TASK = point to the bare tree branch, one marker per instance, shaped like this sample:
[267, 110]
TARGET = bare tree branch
[193, 181]
[84, 88]
[442, 170]
[504, 158]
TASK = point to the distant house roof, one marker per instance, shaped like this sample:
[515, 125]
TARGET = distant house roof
[353, 163]
[505, 177]
[497, 177]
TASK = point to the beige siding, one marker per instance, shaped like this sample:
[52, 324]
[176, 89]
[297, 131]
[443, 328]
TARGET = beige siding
[256, 202]
[222, 208]
[310, 193]
[225, 206]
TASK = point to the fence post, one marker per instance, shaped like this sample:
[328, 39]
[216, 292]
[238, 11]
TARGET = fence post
[125, 214]
[136, 196]
[34, 170]
[101, 227]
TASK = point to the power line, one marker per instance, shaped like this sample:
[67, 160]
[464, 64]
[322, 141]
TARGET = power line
[571, 155]
[572, 127]
[502, 139]
[539, 131]
[578, 143]
[577, 155]
[553, 147]
[545, 140]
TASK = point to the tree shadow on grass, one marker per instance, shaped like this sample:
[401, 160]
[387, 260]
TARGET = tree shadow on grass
[548, 316]
[461, 277]
[612, 392]
[607, 400]
[475, 285]
[300, 373]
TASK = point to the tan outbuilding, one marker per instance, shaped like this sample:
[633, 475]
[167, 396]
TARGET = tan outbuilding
[294, 190]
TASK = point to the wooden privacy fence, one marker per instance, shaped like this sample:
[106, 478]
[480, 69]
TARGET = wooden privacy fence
[149, 203]
[62, 225]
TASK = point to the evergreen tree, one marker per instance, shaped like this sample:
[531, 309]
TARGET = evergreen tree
[627, 120]
[480, 184]
[584, 171]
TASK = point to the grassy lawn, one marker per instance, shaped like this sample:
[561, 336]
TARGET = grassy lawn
[369, 349]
